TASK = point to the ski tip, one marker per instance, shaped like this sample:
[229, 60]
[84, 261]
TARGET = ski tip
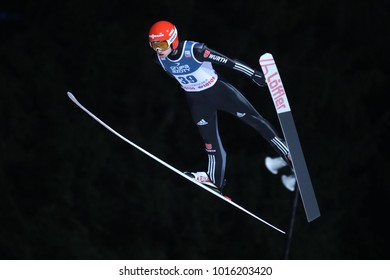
[71, 96]
[266, 56]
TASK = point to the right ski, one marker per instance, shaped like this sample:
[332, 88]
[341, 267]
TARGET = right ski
[290, 133]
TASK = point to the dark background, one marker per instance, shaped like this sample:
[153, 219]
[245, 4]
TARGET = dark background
[69, 189]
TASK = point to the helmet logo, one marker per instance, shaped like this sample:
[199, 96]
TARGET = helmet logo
[173, 35]
[156, 35]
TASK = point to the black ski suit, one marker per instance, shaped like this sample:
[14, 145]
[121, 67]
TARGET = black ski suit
[207, 93]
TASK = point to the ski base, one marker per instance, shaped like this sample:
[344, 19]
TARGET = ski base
[291, 137]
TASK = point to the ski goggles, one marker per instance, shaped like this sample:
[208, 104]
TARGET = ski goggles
[159, 45]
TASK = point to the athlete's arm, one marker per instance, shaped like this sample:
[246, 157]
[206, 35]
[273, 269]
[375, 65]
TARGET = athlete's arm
[204, 53]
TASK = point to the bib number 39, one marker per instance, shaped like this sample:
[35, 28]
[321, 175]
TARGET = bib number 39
[187, 79]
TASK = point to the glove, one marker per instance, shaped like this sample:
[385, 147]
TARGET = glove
[258, 78]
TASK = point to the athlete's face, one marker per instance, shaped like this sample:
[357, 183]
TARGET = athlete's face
[164, 53]
[162, 48]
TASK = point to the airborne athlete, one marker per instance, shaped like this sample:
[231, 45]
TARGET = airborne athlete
[191, 64]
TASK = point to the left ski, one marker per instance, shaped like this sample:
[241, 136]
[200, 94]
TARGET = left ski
[71, 96]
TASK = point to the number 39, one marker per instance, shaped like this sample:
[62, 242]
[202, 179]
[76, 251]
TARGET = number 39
[187, 79]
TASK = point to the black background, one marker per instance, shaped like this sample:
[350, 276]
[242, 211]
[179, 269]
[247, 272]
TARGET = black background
[69, 189]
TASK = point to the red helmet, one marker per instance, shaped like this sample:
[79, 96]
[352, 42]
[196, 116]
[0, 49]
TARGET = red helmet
[164, 31]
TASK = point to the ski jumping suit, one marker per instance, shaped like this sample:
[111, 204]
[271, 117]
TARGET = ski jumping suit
[191, 65]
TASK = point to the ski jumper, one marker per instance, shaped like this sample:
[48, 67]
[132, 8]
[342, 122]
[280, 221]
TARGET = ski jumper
[207, 93]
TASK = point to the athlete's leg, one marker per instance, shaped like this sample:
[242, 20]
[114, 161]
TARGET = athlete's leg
[205, 117]
[231, 100]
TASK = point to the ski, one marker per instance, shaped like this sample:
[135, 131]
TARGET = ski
[290, 133]
[224, 198]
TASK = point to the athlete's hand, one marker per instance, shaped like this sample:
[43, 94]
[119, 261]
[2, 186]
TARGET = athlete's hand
[258, 78]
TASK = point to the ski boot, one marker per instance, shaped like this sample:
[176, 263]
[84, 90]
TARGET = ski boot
[274, 165]
[203, 178]
[289, 182]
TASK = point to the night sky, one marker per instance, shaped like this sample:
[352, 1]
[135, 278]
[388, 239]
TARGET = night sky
[69, 189]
